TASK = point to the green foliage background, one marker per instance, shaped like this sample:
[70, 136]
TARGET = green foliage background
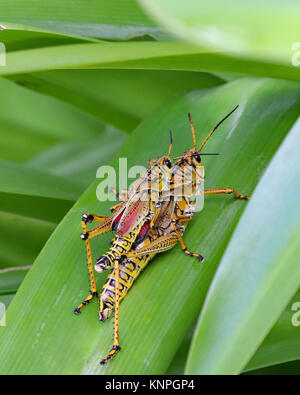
[85, 85]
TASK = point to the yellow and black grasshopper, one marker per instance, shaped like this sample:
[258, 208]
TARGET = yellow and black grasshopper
[121, 279]
[176, 211]
[128, 218]
[187, 183]
[162, 233]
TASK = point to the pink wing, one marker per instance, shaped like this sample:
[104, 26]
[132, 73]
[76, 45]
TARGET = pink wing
[132, 216]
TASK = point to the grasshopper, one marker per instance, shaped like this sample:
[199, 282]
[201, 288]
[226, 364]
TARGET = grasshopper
[126, 270]
[118, 283]
[140, 204]
[163, 232]
[187, 182]
[176, 211]
[145, 195]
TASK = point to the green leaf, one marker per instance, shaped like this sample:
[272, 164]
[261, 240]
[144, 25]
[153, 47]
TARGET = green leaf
[139, 55]
[20, 244]
[166, 299]
[242, 28]
[31, 122]
[10, 279]
[117, 19]
[114, 96]
[34, 193]
[178, 363]
[6, 299]
[22, 240]
[79, 161]
[15, 40]
[286, 369]
[259, 272]
[282, 344]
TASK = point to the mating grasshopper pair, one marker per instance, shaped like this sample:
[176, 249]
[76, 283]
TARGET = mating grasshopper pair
[151, 218]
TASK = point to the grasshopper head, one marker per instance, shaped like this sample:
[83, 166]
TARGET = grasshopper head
[193, 156]
[162, 162]
[189, 158]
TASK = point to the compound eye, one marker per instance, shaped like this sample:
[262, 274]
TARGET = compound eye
[168, 163]
[198, 158]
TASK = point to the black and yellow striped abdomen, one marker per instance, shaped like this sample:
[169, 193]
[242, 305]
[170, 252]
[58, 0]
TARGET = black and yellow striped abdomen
[129, 270]
[119, 246]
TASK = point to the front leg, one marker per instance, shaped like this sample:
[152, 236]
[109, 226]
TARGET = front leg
[105, 225]
[225, 191]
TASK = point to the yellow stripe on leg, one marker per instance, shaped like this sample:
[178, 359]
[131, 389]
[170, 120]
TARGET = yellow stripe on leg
[115, 347]
[111, 354]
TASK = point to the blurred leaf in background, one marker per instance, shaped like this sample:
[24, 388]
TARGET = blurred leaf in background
[115, 95]
[248, 29]
[119, 19]
[85, 85]
[247, 143]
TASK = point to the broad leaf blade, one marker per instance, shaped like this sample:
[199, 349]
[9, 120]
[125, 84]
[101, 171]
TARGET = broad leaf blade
[10, 280]
[259, 272]
[35, 193]
[242, 28]
[282, 344]
[26, 131]
[285, 369]
[167, 297]
[15, 40]
[80, 161]
[140, 55]
[22, 240]
[114, 96]
[279, 347]
[6, 299]
[117, 19]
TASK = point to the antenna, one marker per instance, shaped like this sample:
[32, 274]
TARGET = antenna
[171, 143]
[218, 124]
[192, 128]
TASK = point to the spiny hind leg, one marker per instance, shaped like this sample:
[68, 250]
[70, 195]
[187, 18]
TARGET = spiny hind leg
[166, 242]
[116, 346]
[160, 244]
[225, 191]
[183, 245]
[104, 226]
[93, 289]
[163, 243]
